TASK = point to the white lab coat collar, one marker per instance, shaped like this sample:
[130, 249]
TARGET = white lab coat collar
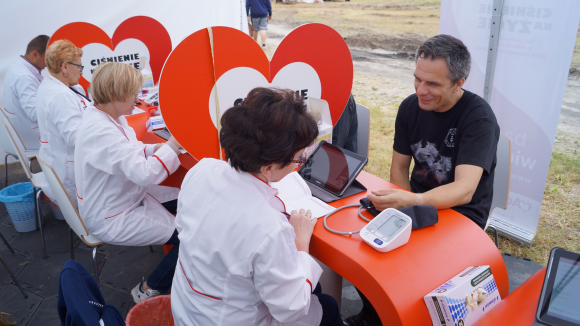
[32, 68]
[269, 193]
[58, 82]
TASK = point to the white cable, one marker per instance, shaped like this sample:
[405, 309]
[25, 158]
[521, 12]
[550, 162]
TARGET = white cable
[340, 208]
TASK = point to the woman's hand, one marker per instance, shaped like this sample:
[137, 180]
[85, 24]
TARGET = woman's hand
[303, 228]
[174, 141]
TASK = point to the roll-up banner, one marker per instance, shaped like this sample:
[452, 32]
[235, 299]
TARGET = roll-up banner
[536, 42]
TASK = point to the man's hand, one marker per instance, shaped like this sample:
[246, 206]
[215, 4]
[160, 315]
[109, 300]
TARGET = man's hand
[394, 198]
[269, 17]
[303, 228]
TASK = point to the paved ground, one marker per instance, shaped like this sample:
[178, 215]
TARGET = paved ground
[121, 268]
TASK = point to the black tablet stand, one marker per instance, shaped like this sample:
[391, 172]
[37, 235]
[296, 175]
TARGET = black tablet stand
[354, 188]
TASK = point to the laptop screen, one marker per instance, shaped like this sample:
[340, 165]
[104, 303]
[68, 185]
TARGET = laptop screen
[332, 168]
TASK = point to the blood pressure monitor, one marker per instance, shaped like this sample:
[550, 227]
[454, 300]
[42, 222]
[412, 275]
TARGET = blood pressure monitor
[389, 230]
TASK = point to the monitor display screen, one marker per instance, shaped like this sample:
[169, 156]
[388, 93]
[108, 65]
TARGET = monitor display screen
[391, 226]
[331, 167]
[564, 300]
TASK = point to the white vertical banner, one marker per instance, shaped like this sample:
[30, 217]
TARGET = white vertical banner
[534, 54]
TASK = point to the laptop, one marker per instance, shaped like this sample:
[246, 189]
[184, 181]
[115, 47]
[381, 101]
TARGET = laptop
[559, 303]
[330, 172]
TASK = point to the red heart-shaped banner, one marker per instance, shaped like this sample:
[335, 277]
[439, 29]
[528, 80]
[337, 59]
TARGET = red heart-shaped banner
[156, 38]
[187, 78]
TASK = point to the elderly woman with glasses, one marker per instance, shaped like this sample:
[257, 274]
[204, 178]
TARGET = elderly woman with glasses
[60, 111]
[242, 260]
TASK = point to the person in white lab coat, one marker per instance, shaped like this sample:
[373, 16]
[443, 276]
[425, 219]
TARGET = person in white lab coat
[117, 177]
[20, 86]
[242, 259]
[60, 111]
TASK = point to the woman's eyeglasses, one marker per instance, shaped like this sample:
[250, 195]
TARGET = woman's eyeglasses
[301, 160]
[74, 64]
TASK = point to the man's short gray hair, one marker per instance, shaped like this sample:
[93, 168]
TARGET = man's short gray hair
[452, 50]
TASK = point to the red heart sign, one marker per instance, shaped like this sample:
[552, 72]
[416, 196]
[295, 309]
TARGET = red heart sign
[156, 39]
[187, 78]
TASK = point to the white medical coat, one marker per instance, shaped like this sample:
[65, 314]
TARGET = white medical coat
[20, 86]
[238, 263]
[117, 181]
[59, 114]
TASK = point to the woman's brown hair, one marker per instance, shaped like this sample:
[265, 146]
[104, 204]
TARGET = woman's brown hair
[270, 126]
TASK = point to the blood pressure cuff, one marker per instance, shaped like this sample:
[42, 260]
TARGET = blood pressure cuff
[422, 215]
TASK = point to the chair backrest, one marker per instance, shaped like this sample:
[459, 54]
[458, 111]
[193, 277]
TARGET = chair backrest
[501, 180]
[363, 117]
[18, 146]
[69, 211]
[5, 141]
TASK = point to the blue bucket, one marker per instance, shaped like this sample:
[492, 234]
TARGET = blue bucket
[19, 201]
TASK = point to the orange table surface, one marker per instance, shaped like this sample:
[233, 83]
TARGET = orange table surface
[394, 282]
[518, 308]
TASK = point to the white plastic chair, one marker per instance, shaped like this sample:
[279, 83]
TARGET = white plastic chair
[501, 180]
[362, 142]
[71, 214]
[9, 149]
[36, 179]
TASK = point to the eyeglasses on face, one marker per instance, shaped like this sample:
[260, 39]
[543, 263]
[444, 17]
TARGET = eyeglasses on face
[301, 160]
[74, 64]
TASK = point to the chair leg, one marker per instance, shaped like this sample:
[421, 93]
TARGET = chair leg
[494, 230]
[6, 243]
[151, 248]
[72, 249]
[6, 170]
[38, 213]
[96, 265]
[13, 278]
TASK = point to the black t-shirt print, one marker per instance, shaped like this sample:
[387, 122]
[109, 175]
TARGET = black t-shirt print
[465, 134]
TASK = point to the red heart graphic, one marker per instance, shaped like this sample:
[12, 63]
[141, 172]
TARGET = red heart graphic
[188, 76]
[156, 39]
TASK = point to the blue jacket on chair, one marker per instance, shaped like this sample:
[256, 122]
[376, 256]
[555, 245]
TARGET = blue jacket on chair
[80, 301]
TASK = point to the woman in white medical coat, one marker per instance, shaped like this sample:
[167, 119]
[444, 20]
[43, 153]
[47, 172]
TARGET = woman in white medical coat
[59, 111]
[117, 176]
[242, 259]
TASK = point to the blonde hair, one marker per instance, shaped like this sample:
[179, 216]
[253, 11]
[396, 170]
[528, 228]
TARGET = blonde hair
[113, 81]
[61, 51]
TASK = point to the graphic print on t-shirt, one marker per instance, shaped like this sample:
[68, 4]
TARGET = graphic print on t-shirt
[435, 169]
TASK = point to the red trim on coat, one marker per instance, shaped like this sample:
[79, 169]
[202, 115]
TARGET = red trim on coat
[154, 198]
[168, 174]
[10, 112]
[308, 281]
[194, 290]
[44, 142]
[122, 213]
[77, 193]
[259, 179]
[144, 151]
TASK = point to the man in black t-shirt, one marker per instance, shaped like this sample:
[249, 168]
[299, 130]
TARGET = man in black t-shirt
[449, 132]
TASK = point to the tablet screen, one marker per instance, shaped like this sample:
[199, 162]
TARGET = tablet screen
[332, 168]
[565, 300]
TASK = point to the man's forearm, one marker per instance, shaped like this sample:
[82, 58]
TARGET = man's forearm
[446, 196]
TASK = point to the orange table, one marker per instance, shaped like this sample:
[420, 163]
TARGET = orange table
[518, 308]
[395, 282]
